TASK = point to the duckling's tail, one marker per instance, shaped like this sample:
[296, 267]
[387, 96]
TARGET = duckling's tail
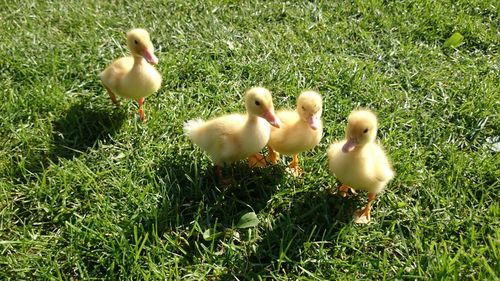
[191, 127]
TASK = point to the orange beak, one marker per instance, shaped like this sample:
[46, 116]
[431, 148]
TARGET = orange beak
[149, 56]
[272, 118]
[349, 145]
[314, 122]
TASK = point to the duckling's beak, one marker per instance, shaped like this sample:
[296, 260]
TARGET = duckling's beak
[349, 145]
[313, 121]
[149, 56]
[272, 118]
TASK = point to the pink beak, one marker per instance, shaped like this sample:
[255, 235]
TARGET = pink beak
[272, 119]
[314, 122]
[149, 56]
[349, 145]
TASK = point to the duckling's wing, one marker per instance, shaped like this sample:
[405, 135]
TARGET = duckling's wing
[383, 167]
[335, 160]
[282, 136]
[219, 138]
[333, 150]
[116, 71]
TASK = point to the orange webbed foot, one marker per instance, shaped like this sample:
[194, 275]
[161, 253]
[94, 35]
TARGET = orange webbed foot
[294, 168]
[257, 160]
[362, 216]
[346, 191]
[272, 156]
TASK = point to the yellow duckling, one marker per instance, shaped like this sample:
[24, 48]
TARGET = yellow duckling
[301, 130]
[133, 77]
[359, 162]
[233, 137]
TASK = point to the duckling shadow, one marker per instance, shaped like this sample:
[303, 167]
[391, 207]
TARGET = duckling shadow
[255, 186]
[190, 193]
[191, 201]
[314, 216]
[82, 127]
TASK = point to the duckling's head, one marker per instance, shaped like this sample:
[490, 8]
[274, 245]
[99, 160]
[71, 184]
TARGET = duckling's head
[309, 107]
[258, 101]
[139, 44]
[361, 129]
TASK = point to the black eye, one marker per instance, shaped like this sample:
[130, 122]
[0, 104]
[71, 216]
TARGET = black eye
[135, 41]
[365, 130]
[257, 103]
[303, 108]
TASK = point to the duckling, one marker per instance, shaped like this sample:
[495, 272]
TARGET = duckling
[233, 137]
[133, 77]
[301, 130]
[359, 162]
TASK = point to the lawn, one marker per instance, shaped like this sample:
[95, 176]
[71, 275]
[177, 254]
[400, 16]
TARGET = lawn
[88, 191]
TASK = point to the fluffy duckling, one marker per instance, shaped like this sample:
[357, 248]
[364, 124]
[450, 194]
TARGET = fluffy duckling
[359, 162]
[133, 77]
[233, 137]
[301, 130]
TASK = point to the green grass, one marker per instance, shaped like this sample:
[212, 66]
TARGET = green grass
[88, 191]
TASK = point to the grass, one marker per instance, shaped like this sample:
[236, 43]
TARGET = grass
[87, 191]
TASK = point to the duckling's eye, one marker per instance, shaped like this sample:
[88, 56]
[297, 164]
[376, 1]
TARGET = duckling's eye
[365, 130]
[135, 41]
[257, 103]
[303, 108]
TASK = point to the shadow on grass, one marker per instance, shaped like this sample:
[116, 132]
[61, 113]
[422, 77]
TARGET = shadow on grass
[192, 193]
[193, 201]
[79, 129]
[314, 217]
[82, 127]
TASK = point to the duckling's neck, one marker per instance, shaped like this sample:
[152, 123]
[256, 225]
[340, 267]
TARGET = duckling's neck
[358, 149]
[252, 119]
[304, 121]
[138, 60]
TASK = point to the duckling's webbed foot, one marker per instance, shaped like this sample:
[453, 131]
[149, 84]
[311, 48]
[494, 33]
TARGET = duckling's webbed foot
[362, 216]
[272, 156]
[294, 168]
[346, 191]
[257, 160]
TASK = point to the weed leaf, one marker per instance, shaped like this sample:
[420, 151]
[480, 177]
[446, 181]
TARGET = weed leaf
[248, 220]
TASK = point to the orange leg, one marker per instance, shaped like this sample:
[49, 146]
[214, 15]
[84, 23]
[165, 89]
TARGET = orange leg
[273, 156]
[346, 191]
[257, 160]
[112, 96]
[294, 166]
[362, 216]
[141, 109]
